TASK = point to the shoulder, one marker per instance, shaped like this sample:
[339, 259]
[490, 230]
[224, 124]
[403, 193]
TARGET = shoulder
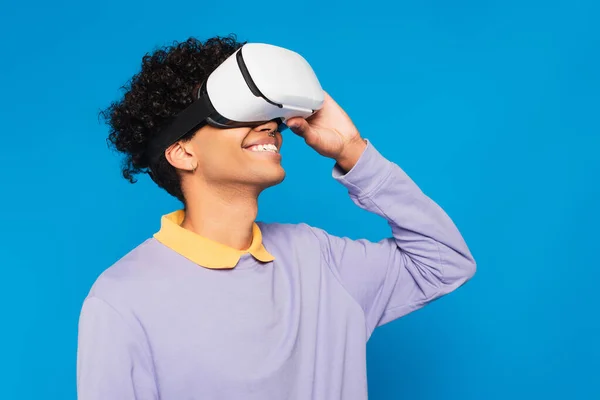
[131, 275]
[301, 238]
[290, 232]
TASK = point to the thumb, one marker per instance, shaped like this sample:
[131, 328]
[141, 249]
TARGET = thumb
[298, 125]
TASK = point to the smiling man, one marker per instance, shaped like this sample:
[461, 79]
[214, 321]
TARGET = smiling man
[219, 306]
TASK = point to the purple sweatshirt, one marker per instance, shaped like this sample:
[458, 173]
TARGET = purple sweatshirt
[183, 318]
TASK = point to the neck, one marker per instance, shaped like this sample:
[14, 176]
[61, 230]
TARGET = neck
[225, 215]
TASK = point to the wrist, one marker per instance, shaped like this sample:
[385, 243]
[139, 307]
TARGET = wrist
[351, 154]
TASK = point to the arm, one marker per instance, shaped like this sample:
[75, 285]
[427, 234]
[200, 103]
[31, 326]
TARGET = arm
[425, 259]
[113, 361]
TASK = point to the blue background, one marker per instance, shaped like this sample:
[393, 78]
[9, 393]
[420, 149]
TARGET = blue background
[491, 106]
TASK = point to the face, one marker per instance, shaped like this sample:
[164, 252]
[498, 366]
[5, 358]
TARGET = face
[238, 156]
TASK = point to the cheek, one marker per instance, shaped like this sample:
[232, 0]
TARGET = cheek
[222, 157]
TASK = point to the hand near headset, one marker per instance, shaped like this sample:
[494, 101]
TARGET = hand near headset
[331, 132]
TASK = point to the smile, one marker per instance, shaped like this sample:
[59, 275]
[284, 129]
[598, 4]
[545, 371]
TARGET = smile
[263, 147]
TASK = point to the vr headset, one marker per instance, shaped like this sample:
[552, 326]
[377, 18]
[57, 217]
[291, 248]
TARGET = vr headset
[256, 84]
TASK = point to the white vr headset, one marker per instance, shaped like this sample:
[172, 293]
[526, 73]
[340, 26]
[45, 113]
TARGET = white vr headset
[256, 84]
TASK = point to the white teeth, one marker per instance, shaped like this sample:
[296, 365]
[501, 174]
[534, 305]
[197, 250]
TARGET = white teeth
[264, 147]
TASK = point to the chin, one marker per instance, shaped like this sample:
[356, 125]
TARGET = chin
[276, 180]
[273, 178]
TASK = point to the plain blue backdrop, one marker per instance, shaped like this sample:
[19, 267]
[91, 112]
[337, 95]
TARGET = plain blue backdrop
[492, 107]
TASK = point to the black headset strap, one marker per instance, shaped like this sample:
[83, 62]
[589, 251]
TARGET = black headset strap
[190, 119]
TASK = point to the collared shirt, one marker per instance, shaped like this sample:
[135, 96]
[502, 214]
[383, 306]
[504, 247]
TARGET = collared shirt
[205, 252]
[289, 321]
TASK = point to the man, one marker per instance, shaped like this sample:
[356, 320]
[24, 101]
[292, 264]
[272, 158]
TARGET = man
[218, 306]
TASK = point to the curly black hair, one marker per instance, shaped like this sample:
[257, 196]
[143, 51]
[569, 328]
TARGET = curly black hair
[162, 89]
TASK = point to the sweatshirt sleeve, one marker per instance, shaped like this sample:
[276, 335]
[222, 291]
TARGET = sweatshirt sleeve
[113, 361]
[425, 258]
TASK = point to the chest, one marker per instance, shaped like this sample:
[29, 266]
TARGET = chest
[265, 329]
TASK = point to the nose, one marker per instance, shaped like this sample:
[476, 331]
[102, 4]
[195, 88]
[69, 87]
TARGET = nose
[267, 126]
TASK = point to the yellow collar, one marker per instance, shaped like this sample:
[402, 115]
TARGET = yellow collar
[203, 251]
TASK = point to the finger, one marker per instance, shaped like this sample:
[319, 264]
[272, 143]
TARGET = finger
[298, 125]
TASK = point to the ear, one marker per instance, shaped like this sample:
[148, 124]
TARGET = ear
[181, 156]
